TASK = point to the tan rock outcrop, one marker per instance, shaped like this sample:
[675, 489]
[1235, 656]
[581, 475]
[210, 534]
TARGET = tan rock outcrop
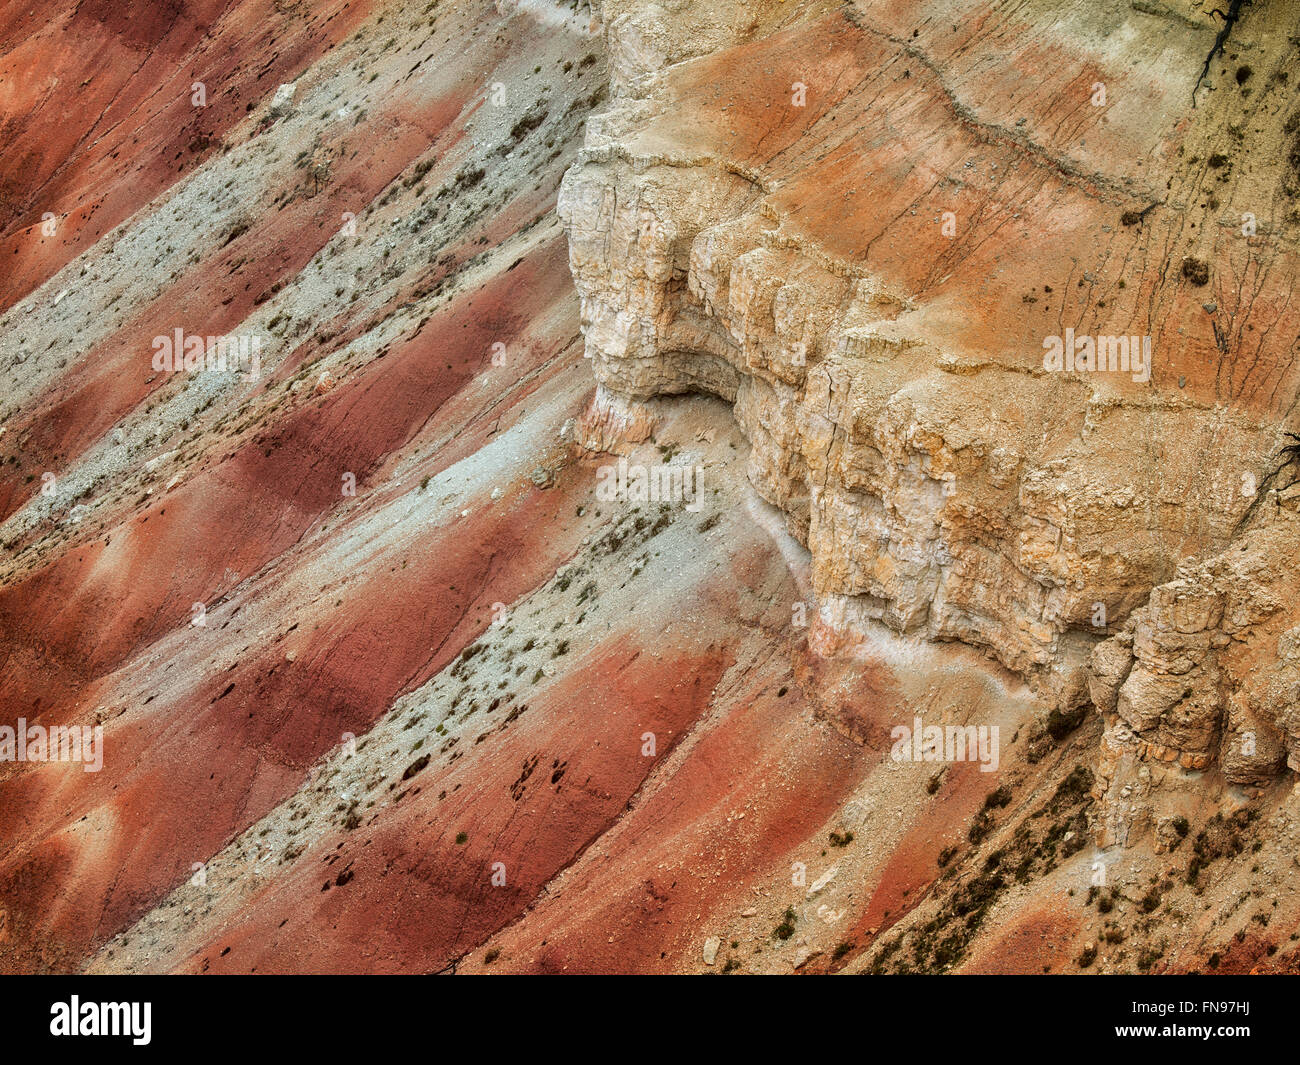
[947, 488]
[1206, 671]
[892, 384]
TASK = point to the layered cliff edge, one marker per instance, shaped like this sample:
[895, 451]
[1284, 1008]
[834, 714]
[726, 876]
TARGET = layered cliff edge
[472, 716]
[872, 227]
[862, 225]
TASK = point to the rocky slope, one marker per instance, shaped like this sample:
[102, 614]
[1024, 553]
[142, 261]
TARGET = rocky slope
[388, 683]
[864, 240]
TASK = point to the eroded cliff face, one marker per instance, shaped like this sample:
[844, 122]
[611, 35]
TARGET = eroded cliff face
[443, 706]
[862, 224]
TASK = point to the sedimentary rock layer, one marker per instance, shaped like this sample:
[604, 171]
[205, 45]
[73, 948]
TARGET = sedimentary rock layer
[872, 232]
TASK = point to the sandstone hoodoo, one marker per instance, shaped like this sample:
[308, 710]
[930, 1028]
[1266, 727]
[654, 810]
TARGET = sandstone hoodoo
[730, 486]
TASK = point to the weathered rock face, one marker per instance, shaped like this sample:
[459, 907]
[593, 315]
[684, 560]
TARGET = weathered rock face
[1208, 671]
[875, 227]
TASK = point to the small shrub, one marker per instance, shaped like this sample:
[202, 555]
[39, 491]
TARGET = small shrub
[1196, 271]
[416, 766]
